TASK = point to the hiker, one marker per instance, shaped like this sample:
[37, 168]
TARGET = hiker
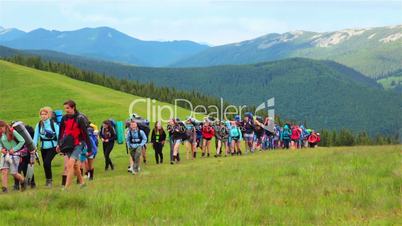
[11, 143]
[108, 136]
[88, 160]
[178, 136]
[247, 127]
[143, 124]
[303, 137]
[314, 139]
[47, 132]
[72, 140]
[158, 138]
[235, 137]
[295, 137]
[198, 132]
[221, 136]
[190, 141]
[207, 134]
[136, 139]
[259, 133]
[27, 160]
[277, 137]
[286, 136]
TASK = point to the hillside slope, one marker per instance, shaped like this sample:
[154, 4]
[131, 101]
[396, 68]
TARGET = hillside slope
[24, 91]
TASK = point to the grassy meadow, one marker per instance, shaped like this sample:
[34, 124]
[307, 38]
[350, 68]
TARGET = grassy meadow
[321, 186]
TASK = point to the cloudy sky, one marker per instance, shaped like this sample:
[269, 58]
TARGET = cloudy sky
[214, 22]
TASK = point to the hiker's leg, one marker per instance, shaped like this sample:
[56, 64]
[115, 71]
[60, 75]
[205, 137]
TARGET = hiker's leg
[155, 146]
[4, 177]
[47, 162]
[105, 154]
[70, 171]
[78, 171]
[137, 156]
[218, 148]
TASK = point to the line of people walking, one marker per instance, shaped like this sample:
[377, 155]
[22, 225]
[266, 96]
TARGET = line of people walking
[73, 136]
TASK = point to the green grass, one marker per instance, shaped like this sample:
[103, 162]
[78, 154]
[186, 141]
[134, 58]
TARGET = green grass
[335, 186]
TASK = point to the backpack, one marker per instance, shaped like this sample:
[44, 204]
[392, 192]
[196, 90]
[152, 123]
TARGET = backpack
[235, 133]
[57, 115]
[25, 132]
[286, 133]
[113, 123]
[94, 141]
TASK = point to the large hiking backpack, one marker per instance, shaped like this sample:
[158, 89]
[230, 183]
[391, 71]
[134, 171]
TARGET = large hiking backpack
[57, 115]
[22, 130]
[286, 133]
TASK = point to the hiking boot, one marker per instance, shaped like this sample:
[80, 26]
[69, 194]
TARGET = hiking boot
[203, 155]
[49, 183]
[24, 185]
[4, 190]
[16, 187]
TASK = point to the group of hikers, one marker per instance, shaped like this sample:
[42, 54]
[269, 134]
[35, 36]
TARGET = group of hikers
[73, 136]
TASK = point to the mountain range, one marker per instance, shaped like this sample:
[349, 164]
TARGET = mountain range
[102, 43]
[375, 52]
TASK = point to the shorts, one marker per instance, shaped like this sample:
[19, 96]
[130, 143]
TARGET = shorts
[191, 139]
[10, 162]
[75, 154]
[249, 137]
[177, 141]
[258, 140]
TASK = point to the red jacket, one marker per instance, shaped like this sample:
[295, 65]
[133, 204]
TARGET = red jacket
[75, 126]
[208, 132]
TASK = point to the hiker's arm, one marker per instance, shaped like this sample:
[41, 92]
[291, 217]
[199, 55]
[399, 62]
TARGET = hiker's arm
[128, 140]
[85, 133]
[56, 128]
[20, 140]
[144, 138]
[36, 135]
[61, 133]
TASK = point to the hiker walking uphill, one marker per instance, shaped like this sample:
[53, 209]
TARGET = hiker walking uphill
[46, 134]
[191, 138]
[11, 143]
[221, 138]
[248, 127]
[108, 136]
[158, 138]
[72, 139]
[136, 139]
[177, 129]
[208, 133]
[286, 135]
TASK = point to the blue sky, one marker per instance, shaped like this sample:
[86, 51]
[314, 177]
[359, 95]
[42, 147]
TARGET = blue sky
[214, 22]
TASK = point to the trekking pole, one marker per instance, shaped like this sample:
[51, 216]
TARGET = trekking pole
[37, 158]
